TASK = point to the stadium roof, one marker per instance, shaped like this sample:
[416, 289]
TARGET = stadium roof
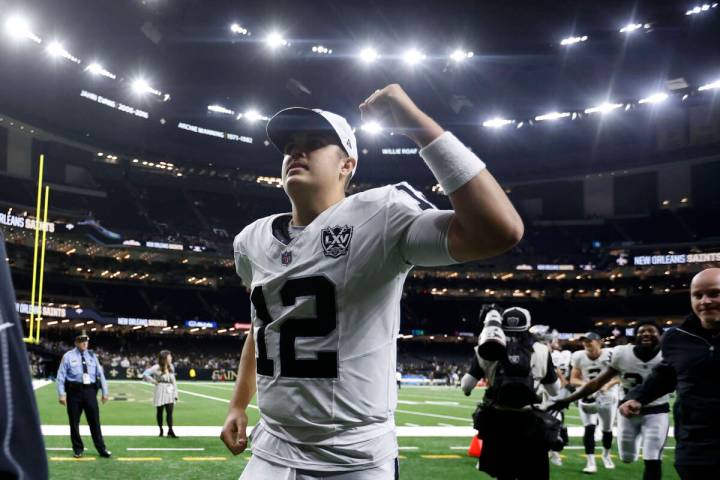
[190, 55]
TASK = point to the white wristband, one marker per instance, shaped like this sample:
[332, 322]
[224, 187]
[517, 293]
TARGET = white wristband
[452, 163]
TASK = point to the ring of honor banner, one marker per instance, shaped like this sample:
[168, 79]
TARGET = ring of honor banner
[22, 449]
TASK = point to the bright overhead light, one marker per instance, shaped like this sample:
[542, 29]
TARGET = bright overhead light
[141, 86]
[97, 69]
[220, 109]
[57, 50]
[238, 30]
[552, 116]
[252, 115]
[573, 40]
[654, 98]
[710, 86]
[275, 40]
[413, 56]
[497, 122]
[371, 127]
[321, 49]
[369, 55]
[460, 55]
[631, 27]
[603, 108]
[18, 27]
[701, 9]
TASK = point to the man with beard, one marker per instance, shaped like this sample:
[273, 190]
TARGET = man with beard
[691, 361]
[633, 364]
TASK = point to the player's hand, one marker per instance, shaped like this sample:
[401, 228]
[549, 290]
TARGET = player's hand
[558, 406]
[104, 399]
[62, 399]
[393, 109]
[234, 432]
[630, 408]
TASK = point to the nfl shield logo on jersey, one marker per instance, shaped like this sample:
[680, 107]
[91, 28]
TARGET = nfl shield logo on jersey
[286, 258]
[336, 240]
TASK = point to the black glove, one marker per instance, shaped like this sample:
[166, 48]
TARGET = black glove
[559, 405]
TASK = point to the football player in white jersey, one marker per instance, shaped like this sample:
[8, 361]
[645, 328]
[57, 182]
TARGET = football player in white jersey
[326, 282]
[586, 365]
[561, 358]
[632, 364]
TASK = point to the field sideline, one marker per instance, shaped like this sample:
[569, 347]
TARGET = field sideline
[434, 430]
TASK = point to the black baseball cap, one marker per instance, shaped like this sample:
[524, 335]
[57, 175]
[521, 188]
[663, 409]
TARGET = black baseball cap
[591, 336]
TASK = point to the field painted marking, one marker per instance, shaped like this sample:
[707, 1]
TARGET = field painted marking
[38, 384]
[201, 395]
[460, 447]
[139, 459]
[63, 449]
[434, 415]
[412, 425]
[166, 449]
[408, 448]
[444, 403]
[72, 459]
[445, 424]
[441, 456]
[408, 402]
[204, 459]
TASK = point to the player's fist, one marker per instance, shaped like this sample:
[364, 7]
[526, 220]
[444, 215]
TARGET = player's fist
[630, 408]
[234, 432]
[392, 108]
[62, 400]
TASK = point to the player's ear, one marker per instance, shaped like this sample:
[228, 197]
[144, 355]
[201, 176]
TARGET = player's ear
[348, 166]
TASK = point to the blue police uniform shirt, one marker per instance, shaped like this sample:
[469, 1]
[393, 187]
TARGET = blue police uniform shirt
[71, 370]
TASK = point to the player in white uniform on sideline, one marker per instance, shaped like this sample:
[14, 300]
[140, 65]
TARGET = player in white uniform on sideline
[562, 360]
[326, 282]
[586, 365]
[632, 364]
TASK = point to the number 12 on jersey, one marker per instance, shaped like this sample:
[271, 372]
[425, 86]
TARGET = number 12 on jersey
[326, 364]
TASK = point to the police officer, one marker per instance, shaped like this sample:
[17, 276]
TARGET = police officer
[78, 379]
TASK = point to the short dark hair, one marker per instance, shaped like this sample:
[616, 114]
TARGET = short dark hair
[651, 323]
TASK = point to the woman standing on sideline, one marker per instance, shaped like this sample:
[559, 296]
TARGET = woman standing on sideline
[162, 375]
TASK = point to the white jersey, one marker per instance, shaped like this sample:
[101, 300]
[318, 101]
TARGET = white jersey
[326, 315]
[561, 359]
[633, 371]
[591, 369]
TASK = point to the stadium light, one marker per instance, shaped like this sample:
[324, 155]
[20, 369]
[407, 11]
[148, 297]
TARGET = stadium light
[371, 127]
[57, 50]
[220, 109]
[19, 28]
[552, 116]
[497, 122]
[140, 86]
[275, 40]
[252, 116]
[631, 27]
[321, 50]
[603, 108]
[368, 55]
[238, 30]
[413, 56]
[573, 40]
[710, 86]
[654, 98]
[701, 9]
[97, 69]
[460, 55]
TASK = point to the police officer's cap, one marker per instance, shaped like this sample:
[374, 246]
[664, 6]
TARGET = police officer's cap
[83, 337]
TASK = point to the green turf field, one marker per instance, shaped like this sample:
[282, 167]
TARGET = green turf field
[205, 404]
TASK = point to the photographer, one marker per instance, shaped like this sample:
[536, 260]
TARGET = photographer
[515, 364]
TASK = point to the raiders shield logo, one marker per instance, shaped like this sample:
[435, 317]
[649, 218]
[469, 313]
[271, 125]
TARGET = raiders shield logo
[336, 240]
[286, 258]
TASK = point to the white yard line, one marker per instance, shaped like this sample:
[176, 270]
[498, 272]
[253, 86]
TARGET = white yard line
[59, 449]
[408, 448]
[434, 415]
[164, 449]
[445, 424]
[217, 399]
[408, 424]
[38, 384]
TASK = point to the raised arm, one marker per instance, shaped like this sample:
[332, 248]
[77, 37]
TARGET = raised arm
[484, 223]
